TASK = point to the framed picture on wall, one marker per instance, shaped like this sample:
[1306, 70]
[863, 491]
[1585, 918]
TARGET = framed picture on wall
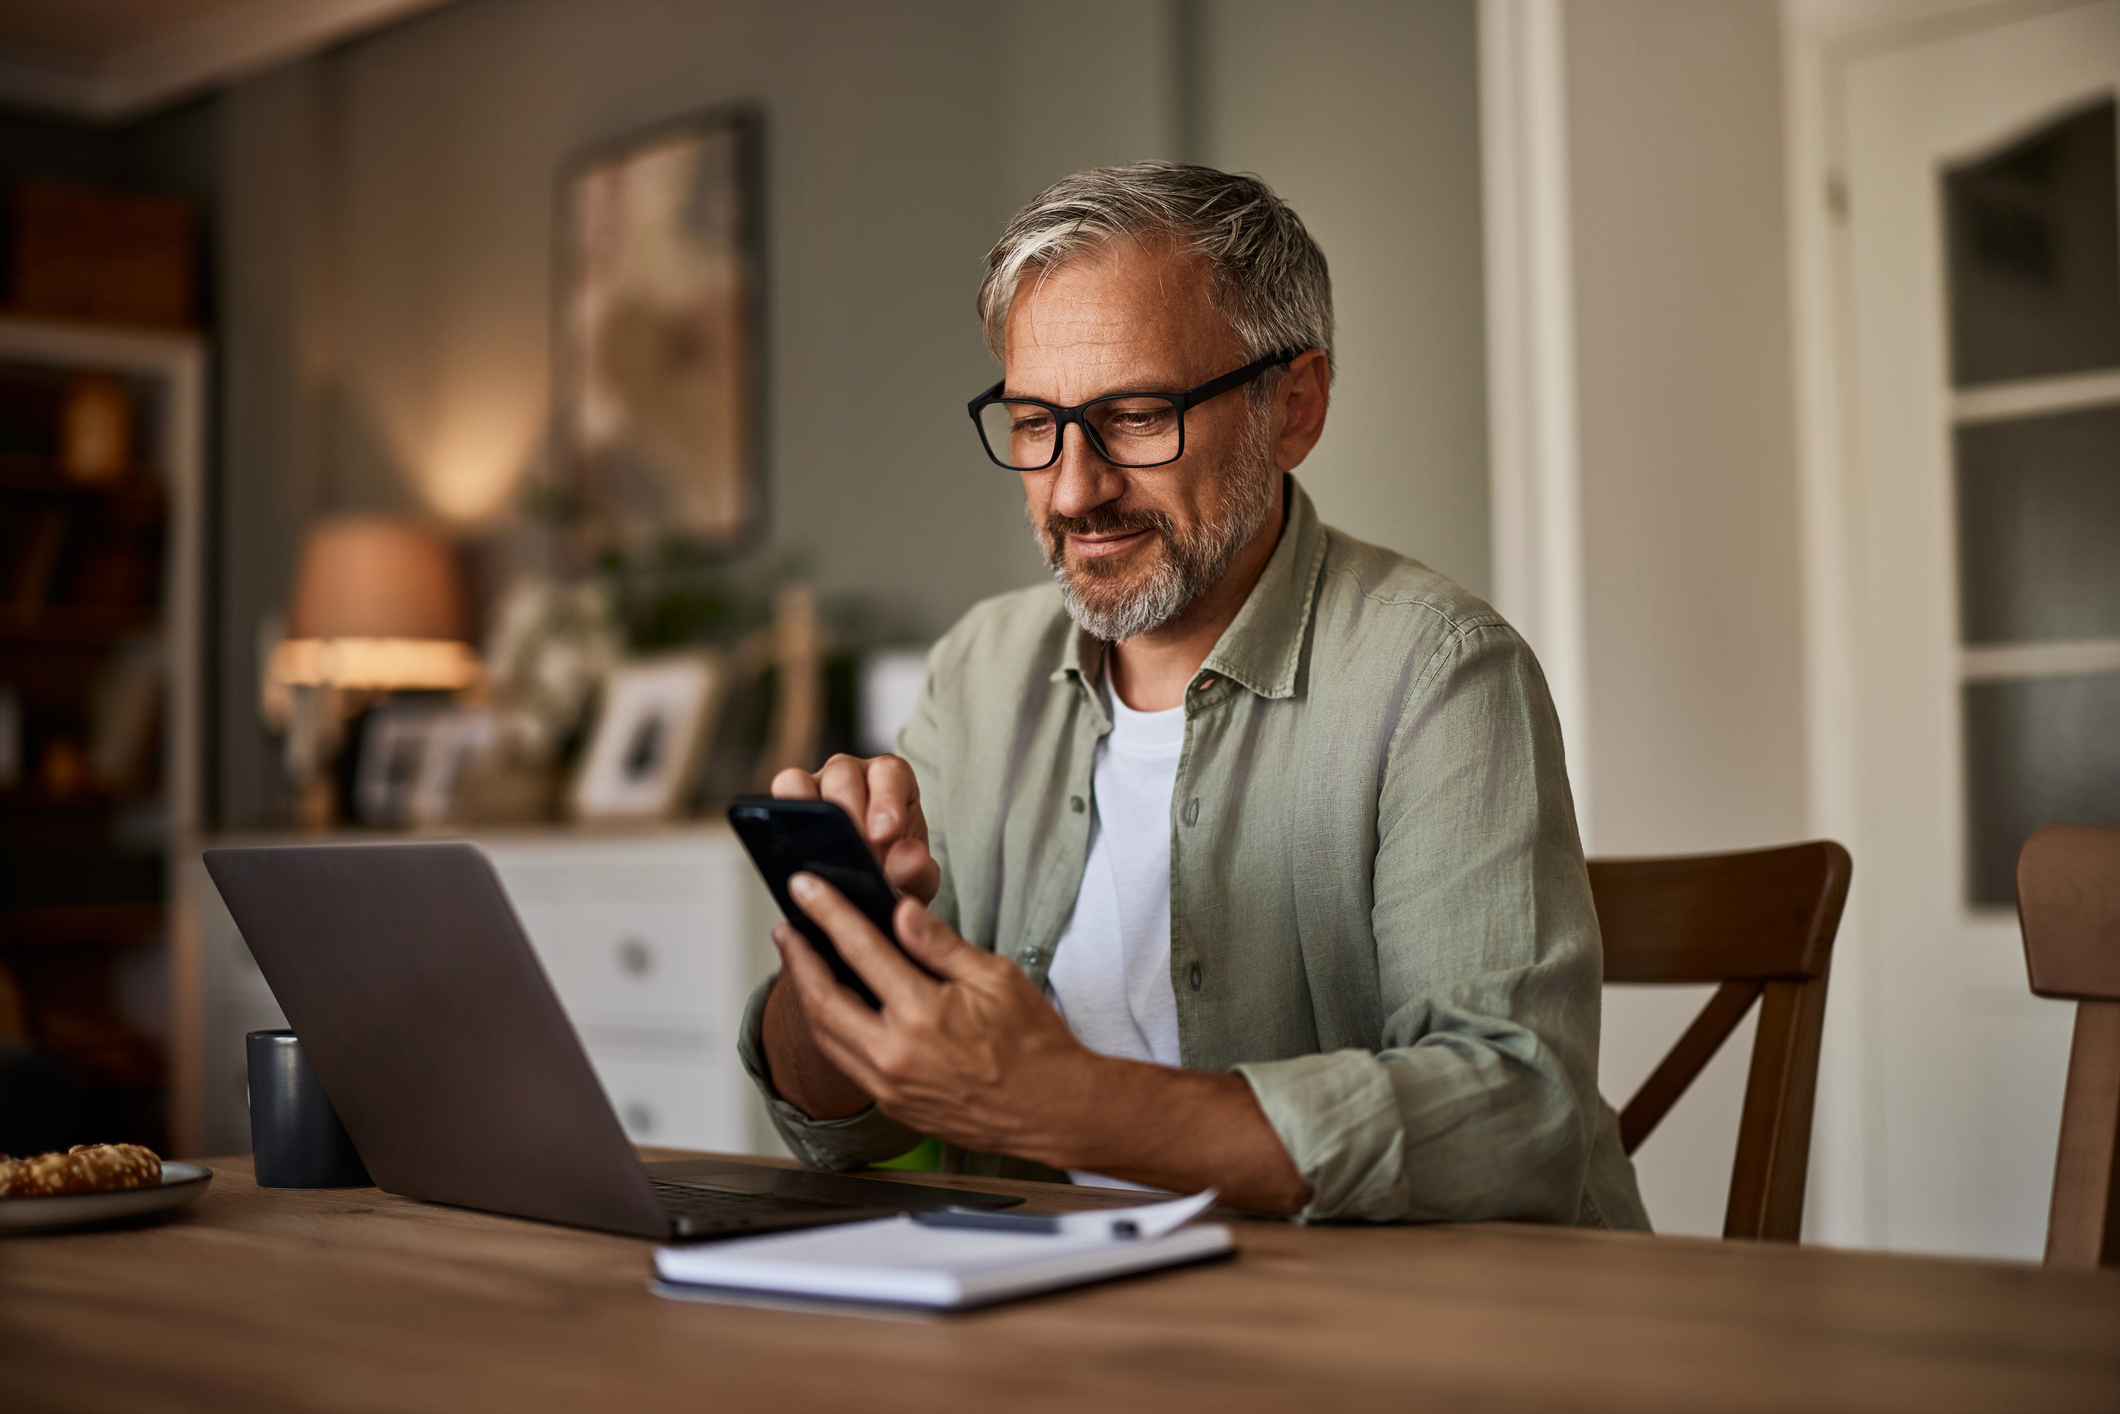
[659, 331]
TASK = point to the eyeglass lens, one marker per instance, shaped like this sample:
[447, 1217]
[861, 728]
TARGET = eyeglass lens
[1130, 431]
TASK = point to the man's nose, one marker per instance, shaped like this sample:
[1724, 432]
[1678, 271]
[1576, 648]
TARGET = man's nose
[1082, 479]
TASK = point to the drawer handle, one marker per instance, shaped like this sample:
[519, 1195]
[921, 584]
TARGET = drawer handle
[634, 958]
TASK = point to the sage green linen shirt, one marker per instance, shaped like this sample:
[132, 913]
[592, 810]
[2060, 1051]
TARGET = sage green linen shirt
[1380, 916]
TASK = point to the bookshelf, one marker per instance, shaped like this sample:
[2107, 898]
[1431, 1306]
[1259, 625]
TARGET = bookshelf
[100, 582]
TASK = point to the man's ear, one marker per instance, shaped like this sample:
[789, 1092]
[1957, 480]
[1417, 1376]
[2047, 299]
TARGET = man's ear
[1301, 400]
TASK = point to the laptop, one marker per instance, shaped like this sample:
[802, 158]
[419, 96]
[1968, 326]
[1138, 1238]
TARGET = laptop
[429, 1020]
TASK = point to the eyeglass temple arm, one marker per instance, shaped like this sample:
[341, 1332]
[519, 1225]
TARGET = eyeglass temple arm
[1217, 386]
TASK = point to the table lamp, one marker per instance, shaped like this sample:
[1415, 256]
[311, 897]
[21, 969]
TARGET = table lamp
[378, 606]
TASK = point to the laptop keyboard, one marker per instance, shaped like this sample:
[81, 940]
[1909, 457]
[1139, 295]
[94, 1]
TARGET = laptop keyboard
[721, 1210]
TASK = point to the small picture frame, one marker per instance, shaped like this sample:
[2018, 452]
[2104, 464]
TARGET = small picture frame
[411, 756]
[644, 752]
[393, 755]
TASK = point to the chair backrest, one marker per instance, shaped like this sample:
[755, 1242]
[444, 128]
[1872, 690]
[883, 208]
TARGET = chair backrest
[2068, 902]
[1762, 925]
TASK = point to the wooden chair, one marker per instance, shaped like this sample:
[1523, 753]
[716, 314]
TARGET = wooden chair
[2068, 902]
[1762, 925]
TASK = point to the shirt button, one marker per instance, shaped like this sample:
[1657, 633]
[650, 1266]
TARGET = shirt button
[1196, 977]
[1192, 811]
[1030, 957]
[1074, 803]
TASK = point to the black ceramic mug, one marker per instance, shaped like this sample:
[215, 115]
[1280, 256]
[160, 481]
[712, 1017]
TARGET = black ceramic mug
[295, 1134]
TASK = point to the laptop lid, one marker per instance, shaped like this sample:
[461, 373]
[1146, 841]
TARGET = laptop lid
[427, 1017]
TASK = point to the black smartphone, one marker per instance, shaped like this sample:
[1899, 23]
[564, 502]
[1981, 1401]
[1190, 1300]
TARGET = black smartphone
[784, 837]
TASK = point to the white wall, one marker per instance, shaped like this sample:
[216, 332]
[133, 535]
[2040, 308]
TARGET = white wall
[1690, 592]
[1687, 423]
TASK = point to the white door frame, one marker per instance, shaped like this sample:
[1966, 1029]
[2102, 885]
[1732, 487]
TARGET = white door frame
[1533, 435]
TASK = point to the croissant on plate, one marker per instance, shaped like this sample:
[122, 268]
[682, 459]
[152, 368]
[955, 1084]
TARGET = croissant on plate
[85, 1168]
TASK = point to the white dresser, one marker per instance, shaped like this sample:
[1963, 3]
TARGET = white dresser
[653, 940]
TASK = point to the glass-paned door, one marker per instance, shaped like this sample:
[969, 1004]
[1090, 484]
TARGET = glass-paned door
[2033, 269]
[1979, 308]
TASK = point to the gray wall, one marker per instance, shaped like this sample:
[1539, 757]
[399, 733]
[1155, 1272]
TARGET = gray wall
[1687, 423]
[1365, 117]
[389, 264]
[387, 260]
[1691, 574]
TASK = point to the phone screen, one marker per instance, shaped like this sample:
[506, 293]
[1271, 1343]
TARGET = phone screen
[784, 837]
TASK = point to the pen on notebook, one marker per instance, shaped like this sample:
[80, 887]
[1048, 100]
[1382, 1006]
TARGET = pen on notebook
[1119, 1224]
[1046, 1223]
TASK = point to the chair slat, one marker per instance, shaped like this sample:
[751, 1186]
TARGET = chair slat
[1686, 1061]
[1774, 1135]
[2083, 1227]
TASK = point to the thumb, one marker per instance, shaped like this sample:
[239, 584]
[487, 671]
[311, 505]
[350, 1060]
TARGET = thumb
[933, 943]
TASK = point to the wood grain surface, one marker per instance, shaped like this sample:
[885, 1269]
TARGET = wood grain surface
[351, 1299]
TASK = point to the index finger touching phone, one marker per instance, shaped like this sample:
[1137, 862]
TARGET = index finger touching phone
[786, 837]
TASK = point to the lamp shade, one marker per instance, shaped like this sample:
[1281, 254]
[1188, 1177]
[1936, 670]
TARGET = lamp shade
[378, 605]
[376, 577]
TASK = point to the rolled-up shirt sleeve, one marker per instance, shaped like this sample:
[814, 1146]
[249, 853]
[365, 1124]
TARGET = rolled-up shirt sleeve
[1480, 1099]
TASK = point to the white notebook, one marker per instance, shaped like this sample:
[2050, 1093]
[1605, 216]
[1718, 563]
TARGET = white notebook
[907, 1263]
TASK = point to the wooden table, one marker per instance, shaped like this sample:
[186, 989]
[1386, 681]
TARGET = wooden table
[352, 1299]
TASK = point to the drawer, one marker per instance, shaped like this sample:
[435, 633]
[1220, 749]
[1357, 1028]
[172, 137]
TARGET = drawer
[709, 873]
[682, 1101]
[619, 960]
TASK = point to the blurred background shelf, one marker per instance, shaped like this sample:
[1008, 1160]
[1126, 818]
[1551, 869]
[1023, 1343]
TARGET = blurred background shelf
[71, 627]
[47, 476]
[93, 924]
[100, 585]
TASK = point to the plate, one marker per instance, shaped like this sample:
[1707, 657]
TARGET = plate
[181, 1184]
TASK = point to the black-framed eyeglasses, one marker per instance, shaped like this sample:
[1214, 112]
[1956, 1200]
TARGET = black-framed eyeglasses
[1132, 430]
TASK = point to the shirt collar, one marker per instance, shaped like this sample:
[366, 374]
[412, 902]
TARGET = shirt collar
[1263, 646]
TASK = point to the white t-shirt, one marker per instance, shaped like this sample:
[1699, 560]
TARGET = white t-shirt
[1110, 976]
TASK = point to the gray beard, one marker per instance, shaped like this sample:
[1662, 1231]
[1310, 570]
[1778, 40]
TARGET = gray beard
[1191, 561]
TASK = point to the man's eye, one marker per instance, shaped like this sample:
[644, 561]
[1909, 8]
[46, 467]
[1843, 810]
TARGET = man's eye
[1138, 421]
[1032, 424]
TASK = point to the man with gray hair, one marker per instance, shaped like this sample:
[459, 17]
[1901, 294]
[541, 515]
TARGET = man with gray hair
[1242, 856]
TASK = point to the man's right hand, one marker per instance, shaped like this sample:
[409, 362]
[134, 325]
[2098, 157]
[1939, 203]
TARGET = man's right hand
[882, 798]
